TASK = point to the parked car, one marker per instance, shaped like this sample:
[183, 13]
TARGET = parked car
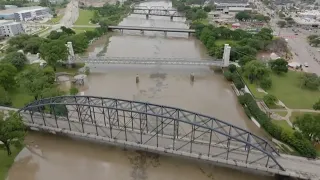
[306, 65]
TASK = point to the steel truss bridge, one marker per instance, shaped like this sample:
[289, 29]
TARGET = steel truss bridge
[150, 61]
[164, 130]
[156, 11]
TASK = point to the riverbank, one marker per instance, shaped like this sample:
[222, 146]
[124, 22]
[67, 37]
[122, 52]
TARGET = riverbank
[6, 161]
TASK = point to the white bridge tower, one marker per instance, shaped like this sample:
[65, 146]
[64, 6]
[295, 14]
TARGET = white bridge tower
[226, 55]
[71, 56]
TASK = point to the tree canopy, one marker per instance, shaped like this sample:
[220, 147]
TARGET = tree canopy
[7, 74]
[279, 66]
[309, 125]
[37, 81]
[54, 51]
[17, 59]
[12, 130]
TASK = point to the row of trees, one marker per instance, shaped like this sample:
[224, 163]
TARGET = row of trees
[309, 125]
[110, 14]
[192, 13]
[52, 49]
[250, 16]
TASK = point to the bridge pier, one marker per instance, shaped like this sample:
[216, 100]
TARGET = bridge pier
[189, 34]
[192, 77]
[142, 31]
[165, 33]
[137, 79]
[147, 16]
[171, 18]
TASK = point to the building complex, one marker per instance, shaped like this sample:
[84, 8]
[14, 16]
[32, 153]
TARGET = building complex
[25, 13]
[10, 28]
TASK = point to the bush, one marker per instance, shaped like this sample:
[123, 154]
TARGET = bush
[301, 144]
[237, 81]
[232, 68]
[228, 75]
[247, 111]
[270, 100]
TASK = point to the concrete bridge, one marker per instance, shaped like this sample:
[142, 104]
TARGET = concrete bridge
[157, 29]
[156, 11]
[162, 129]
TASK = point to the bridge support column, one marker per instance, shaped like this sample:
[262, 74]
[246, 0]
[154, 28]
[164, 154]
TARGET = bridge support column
[142, 31]
[171, 18]
[226, 55]
[192, 77]
[71, 56]
[147, 16]
[189, 34]
[137, 79]
[165, 33]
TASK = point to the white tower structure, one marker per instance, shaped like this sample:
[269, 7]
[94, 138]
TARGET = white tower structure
[71, 57]
[226, 55]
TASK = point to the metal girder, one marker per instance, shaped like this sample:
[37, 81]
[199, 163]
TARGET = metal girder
[153, 125]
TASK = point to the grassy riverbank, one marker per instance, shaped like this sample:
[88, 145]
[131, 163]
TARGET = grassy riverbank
[84, 17]
[6, 161]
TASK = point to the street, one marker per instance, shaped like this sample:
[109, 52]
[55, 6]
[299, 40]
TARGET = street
[302, 52]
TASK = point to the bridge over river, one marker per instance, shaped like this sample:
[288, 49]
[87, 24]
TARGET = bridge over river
[162, 129]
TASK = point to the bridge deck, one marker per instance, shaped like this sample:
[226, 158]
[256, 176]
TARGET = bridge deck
[152, 29]
[158, 14]
[155, 61]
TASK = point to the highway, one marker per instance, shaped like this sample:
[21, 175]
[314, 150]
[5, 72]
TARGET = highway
[301, 50]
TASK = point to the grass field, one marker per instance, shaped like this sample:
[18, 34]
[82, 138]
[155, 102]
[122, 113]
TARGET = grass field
[20, 98]
[6, 161]
[282, 113]
[284, 125]
[84, 17]
[287, 88]
[295, 114]
[81, 30]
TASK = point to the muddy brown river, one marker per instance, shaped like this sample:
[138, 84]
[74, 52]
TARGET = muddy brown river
[49, 157]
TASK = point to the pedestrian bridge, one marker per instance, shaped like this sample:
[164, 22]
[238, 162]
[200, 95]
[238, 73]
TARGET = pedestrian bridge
[150, 61]
[161, 129]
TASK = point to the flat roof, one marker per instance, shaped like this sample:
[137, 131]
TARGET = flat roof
[14, 10]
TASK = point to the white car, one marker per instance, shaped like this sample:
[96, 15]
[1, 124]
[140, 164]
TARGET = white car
[306, 65]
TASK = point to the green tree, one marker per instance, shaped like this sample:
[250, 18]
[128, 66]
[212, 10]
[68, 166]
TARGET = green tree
[245, 59]
[237, 81]
[310, 81]
[17, 59]
[232, 68]
[309, 125]
[270, 100]
[36, 81]
[11, 130]
[255, 71]
[54, 51]
[228, 75]
[279, 66]
[316, 106]
[265, 83]
[243, 16]
[19, 41]
[7, 74]
[33, 45]
[5, 99]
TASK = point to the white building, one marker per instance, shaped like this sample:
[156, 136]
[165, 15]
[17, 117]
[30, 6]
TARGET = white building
[10, 28]
[32, 14]
[226, 4]
[308, 18]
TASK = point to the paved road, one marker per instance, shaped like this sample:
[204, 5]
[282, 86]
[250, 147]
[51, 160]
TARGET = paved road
[301, 50]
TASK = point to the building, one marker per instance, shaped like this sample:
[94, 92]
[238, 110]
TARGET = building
[10, 28]
[308, 19]
[226, 4]
[25, 13]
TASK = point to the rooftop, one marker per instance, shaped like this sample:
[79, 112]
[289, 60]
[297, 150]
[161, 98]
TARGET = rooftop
[231, 1]
[14, 10]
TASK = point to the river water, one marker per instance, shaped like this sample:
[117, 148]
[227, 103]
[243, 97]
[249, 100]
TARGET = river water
[53, 157]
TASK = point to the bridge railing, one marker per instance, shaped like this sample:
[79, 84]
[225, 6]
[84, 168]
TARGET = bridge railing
[152, 125]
